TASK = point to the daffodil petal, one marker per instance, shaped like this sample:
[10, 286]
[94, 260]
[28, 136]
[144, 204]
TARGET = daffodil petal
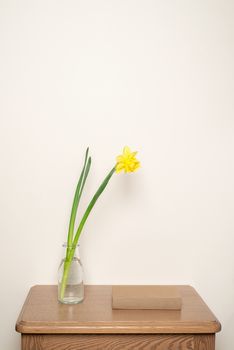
[127, 161]
[126, 150]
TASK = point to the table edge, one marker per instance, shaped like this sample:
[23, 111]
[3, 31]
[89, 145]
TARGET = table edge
[208, 327]
[118, 327]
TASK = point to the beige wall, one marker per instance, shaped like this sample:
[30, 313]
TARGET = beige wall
[156, 75]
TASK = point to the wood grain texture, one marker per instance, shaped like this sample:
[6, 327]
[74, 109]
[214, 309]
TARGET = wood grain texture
[42, 313]
[109, 342]
[204, 342]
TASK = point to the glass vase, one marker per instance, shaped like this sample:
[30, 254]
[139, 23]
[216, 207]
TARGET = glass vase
[70, 277]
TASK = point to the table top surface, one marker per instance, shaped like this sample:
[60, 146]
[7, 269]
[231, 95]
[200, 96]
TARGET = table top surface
[42, 313]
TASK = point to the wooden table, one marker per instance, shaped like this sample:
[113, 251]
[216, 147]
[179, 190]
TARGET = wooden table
[45, 324]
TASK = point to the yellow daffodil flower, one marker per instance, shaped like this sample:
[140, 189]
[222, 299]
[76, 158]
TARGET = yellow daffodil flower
[127, 161]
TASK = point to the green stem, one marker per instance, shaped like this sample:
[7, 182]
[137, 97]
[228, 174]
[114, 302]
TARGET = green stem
[76, 200]
[71, 248]
[64, 279]
[91, 205]
[66, 270]
[79, 189]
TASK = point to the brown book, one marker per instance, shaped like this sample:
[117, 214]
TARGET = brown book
[146, 297]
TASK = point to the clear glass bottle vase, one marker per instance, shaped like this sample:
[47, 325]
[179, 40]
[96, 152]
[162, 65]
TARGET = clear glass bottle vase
[70, 277]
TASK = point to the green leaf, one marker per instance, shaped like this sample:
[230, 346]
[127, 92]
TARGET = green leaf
[85, 176]
[91, 205]
[77, 196]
